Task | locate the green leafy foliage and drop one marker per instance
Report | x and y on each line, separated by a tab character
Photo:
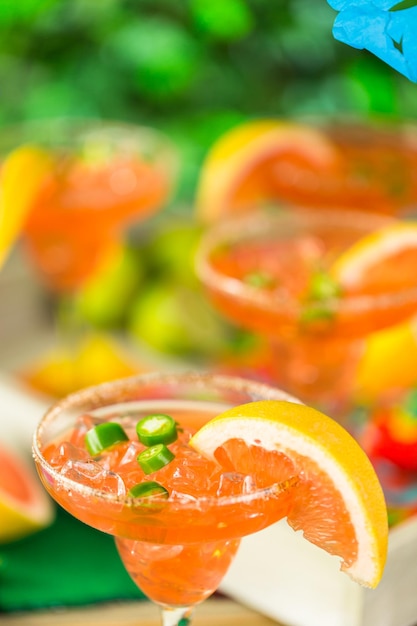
14	13
161	58
225	21
191	68
405	4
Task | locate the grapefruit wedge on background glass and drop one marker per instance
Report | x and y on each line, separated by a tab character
253	162
22	175
383	263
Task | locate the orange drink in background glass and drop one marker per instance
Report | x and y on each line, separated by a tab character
373	169
106	176
317	163
314	285
231	457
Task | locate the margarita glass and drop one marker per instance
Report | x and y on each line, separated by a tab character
105	176
312	163
372	169
177	550
270	272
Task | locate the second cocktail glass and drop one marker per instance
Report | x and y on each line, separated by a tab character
272	272
105	176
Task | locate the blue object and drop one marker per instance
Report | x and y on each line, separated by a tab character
386	28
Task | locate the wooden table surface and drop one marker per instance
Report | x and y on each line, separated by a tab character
214	611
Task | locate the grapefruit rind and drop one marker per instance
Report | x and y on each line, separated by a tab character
300	431
20	517
22	175
373	249
235	154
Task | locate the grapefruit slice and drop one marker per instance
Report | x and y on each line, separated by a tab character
382	261
243	167
24	505
338	502
22	175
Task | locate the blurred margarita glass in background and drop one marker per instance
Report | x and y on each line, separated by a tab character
72	191
103	176
339	163
315	285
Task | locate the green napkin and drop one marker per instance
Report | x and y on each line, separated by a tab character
66	564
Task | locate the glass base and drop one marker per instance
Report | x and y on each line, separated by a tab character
176	617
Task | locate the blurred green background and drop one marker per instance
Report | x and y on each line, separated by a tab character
192	67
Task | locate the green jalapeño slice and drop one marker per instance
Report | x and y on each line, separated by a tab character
157	428
104	436
322	294
154	458
148	489
261	280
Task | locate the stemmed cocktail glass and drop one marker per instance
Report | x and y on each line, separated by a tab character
104	179
105	176
177	549
343	162
373	168
271	272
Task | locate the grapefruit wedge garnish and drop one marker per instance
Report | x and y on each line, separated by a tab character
247	165
22	175
384	262
338	501
24	505
380	262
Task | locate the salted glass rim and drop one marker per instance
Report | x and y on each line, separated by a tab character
81	123
105	390
51	132
262	219
391	127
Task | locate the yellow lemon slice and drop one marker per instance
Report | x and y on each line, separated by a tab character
241	167
96	358
22	174
24	505
338	502
388	362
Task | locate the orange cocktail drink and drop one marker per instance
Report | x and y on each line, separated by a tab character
177	548
352	164
314	285
372	169
104	177
180	467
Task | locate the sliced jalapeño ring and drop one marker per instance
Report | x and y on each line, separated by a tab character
154	458
148	489
157	428
104	436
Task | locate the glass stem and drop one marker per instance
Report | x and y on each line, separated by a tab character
176	617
